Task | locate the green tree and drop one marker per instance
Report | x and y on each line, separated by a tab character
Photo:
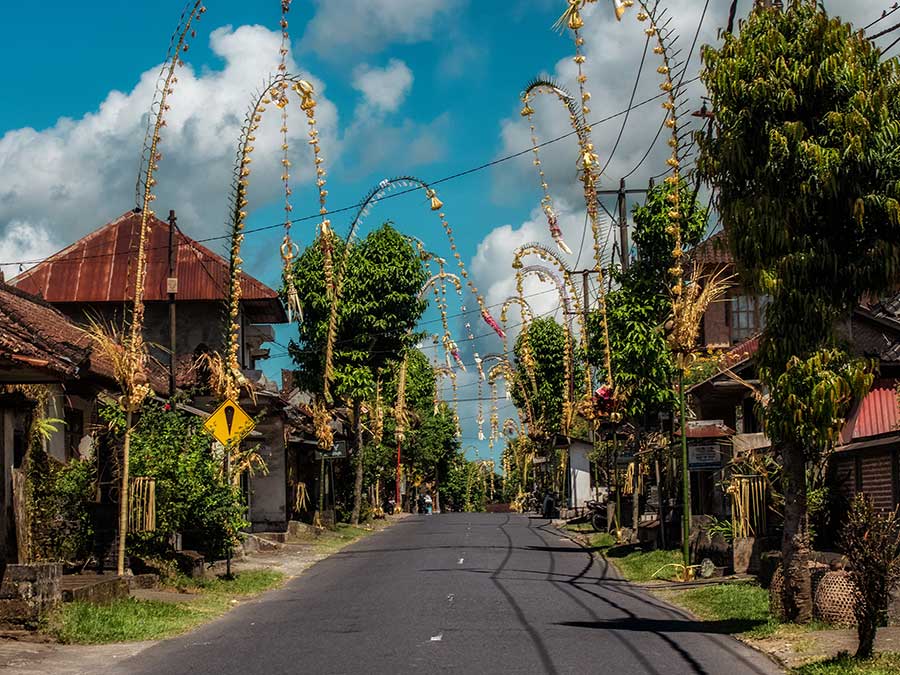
377	312
540	369
805	162
171	446
642	366
430	439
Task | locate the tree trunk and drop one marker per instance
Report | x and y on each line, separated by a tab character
865	631
797	591
437	492
357	486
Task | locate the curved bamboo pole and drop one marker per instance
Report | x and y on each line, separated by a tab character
372	198
275	90
133	379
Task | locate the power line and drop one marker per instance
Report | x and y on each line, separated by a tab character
317	216
681	82
884	14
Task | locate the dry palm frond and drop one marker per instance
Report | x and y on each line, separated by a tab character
246	459
322	424
226	383
128	365
689	307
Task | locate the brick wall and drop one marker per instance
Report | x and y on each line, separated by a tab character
871	473
716	333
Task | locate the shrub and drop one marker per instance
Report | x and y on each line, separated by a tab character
170	446
872	544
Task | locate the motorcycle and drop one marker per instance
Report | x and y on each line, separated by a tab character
597	514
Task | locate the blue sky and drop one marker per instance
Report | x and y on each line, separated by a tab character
425	87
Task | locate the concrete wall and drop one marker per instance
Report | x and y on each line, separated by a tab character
196	323
27	592
269	493
579	474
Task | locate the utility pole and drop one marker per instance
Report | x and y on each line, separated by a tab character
172	289
623	225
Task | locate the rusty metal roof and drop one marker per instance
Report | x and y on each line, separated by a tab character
876	415
100	268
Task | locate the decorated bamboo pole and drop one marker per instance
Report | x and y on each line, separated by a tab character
546	275
133	379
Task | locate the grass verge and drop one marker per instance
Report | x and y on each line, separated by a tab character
644	565
131	620
737	609
883	664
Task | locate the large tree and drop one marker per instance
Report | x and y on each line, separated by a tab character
805	161
377	313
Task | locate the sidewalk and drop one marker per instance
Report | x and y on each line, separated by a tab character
817	645
26	653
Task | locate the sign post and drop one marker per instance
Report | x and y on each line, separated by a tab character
229	424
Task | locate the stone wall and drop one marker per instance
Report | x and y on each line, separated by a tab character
28	592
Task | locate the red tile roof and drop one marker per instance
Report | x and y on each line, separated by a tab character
35	335
100	268
712	251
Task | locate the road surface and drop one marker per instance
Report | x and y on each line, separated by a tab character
462	593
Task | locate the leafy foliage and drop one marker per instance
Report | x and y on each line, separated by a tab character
61	527
805	163
811	399
872	545
543	357
378	310
171	446
641	362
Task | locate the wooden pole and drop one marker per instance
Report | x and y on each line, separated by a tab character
686	479
123	496
172	288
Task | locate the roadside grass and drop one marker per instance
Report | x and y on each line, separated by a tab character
131	620
882	664
331	541
643	565
737	608
579	527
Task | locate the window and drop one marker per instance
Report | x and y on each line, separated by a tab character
746	316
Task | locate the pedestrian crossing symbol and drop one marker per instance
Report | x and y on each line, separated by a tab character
229	423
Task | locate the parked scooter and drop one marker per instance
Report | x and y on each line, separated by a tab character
597	514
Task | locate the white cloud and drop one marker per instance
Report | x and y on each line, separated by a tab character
384	89
80	173
29	242
369	26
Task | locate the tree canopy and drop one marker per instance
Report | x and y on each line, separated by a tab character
806	166
637	310
377	312
540	353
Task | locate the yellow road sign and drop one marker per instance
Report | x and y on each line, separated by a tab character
229	423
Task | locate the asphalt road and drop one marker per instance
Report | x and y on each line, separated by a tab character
462	593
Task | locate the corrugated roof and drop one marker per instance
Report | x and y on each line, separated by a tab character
100	268
876	415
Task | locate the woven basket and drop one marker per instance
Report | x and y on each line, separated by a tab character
817	571
834	599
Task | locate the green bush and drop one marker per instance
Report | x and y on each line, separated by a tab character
59	494
170	446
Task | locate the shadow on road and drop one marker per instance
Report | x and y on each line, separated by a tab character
642	625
